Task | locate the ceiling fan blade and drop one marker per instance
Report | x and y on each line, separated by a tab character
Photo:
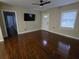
42	3
46	2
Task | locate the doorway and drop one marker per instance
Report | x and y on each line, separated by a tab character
45	21
10	23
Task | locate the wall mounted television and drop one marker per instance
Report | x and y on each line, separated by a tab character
29	17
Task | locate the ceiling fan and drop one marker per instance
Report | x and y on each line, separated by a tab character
42	3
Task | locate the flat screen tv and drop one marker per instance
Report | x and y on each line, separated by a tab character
29	17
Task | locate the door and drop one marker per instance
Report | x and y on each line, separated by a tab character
45	22
10	23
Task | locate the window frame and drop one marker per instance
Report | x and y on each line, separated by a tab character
66	12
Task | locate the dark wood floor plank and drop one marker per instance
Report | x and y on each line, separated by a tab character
39	45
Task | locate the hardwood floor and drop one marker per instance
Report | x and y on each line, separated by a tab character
39	45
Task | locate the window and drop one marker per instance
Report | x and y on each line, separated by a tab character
68	19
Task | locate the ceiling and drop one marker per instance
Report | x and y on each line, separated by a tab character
28	3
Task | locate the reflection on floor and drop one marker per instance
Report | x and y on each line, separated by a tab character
39	45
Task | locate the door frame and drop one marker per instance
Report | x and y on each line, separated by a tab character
16	20
43	14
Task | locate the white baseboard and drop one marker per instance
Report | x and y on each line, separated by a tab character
63	34
51	32
28	31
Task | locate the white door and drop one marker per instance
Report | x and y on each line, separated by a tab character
45	22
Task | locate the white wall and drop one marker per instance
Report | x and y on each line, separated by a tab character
23	26
54	20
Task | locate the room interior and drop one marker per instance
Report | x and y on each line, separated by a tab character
45	29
